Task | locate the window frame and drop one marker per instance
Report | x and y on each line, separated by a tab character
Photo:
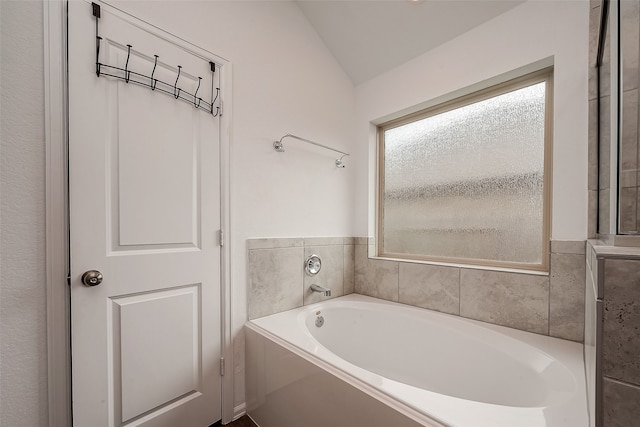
544	75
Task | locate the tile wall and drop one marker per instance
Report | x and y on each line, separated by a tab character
613	329
612	310
546	304
277	281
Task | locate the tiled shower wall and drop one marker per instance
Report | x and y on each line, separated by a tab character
613	325
546	304
612	332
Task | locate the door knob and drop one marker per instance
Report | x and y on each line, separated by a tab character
92	278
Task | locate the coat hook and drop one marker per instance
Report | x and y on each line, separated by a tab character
127	73
154	82
195	94
176	90
98	64
214	101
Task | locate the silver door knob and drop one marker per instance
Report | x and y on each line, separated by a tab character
92	278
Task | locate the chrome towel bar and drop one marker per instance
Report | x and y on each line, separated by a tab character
277	145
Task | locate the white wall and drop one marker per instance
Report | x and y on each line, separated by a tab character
23	340
284	81
536	30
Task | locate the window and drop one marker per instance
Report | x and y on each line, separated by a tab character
468	181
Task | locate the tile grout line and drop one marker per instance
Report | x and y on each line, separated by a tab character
621	382
549	298
459	291
344	268
398	283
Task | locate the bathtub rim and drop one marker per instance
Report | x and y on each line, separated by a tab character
350	379
526	355
566	354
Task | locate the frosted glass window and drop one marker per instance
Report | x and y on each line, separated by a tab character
467	183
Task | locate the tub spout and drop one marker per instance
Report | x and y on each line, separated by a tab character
324	291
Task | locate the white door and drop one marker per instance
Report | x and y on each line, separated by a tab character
144	193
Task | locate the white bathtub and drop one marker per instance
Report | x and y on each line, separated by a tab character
431	368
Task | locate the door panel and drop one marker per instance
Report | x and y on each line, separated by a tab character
151	343
144	189
155	175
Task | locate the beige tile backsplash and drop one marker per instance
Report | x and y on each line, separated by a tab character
515	300
551	305
349	268
275	276
278	282
430	286
566	296
376	278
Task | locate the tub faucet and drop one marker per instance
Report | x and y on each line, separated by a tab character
324	291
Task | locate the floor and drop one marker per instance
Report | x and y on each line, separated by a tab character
243	421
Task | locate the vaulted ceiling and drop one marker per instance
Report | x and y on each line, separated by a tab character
370	37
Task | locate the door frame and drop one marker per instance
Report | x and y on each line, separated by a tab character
57	212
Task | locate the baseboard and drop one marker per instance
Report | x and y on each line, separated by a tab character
239	410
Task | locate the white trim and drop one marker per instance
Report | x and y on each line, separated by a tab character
58	339
239	411
162	34
228	380
58	326
226	349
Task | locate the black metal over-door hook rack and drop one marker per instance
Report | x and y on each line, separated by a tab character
152	83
